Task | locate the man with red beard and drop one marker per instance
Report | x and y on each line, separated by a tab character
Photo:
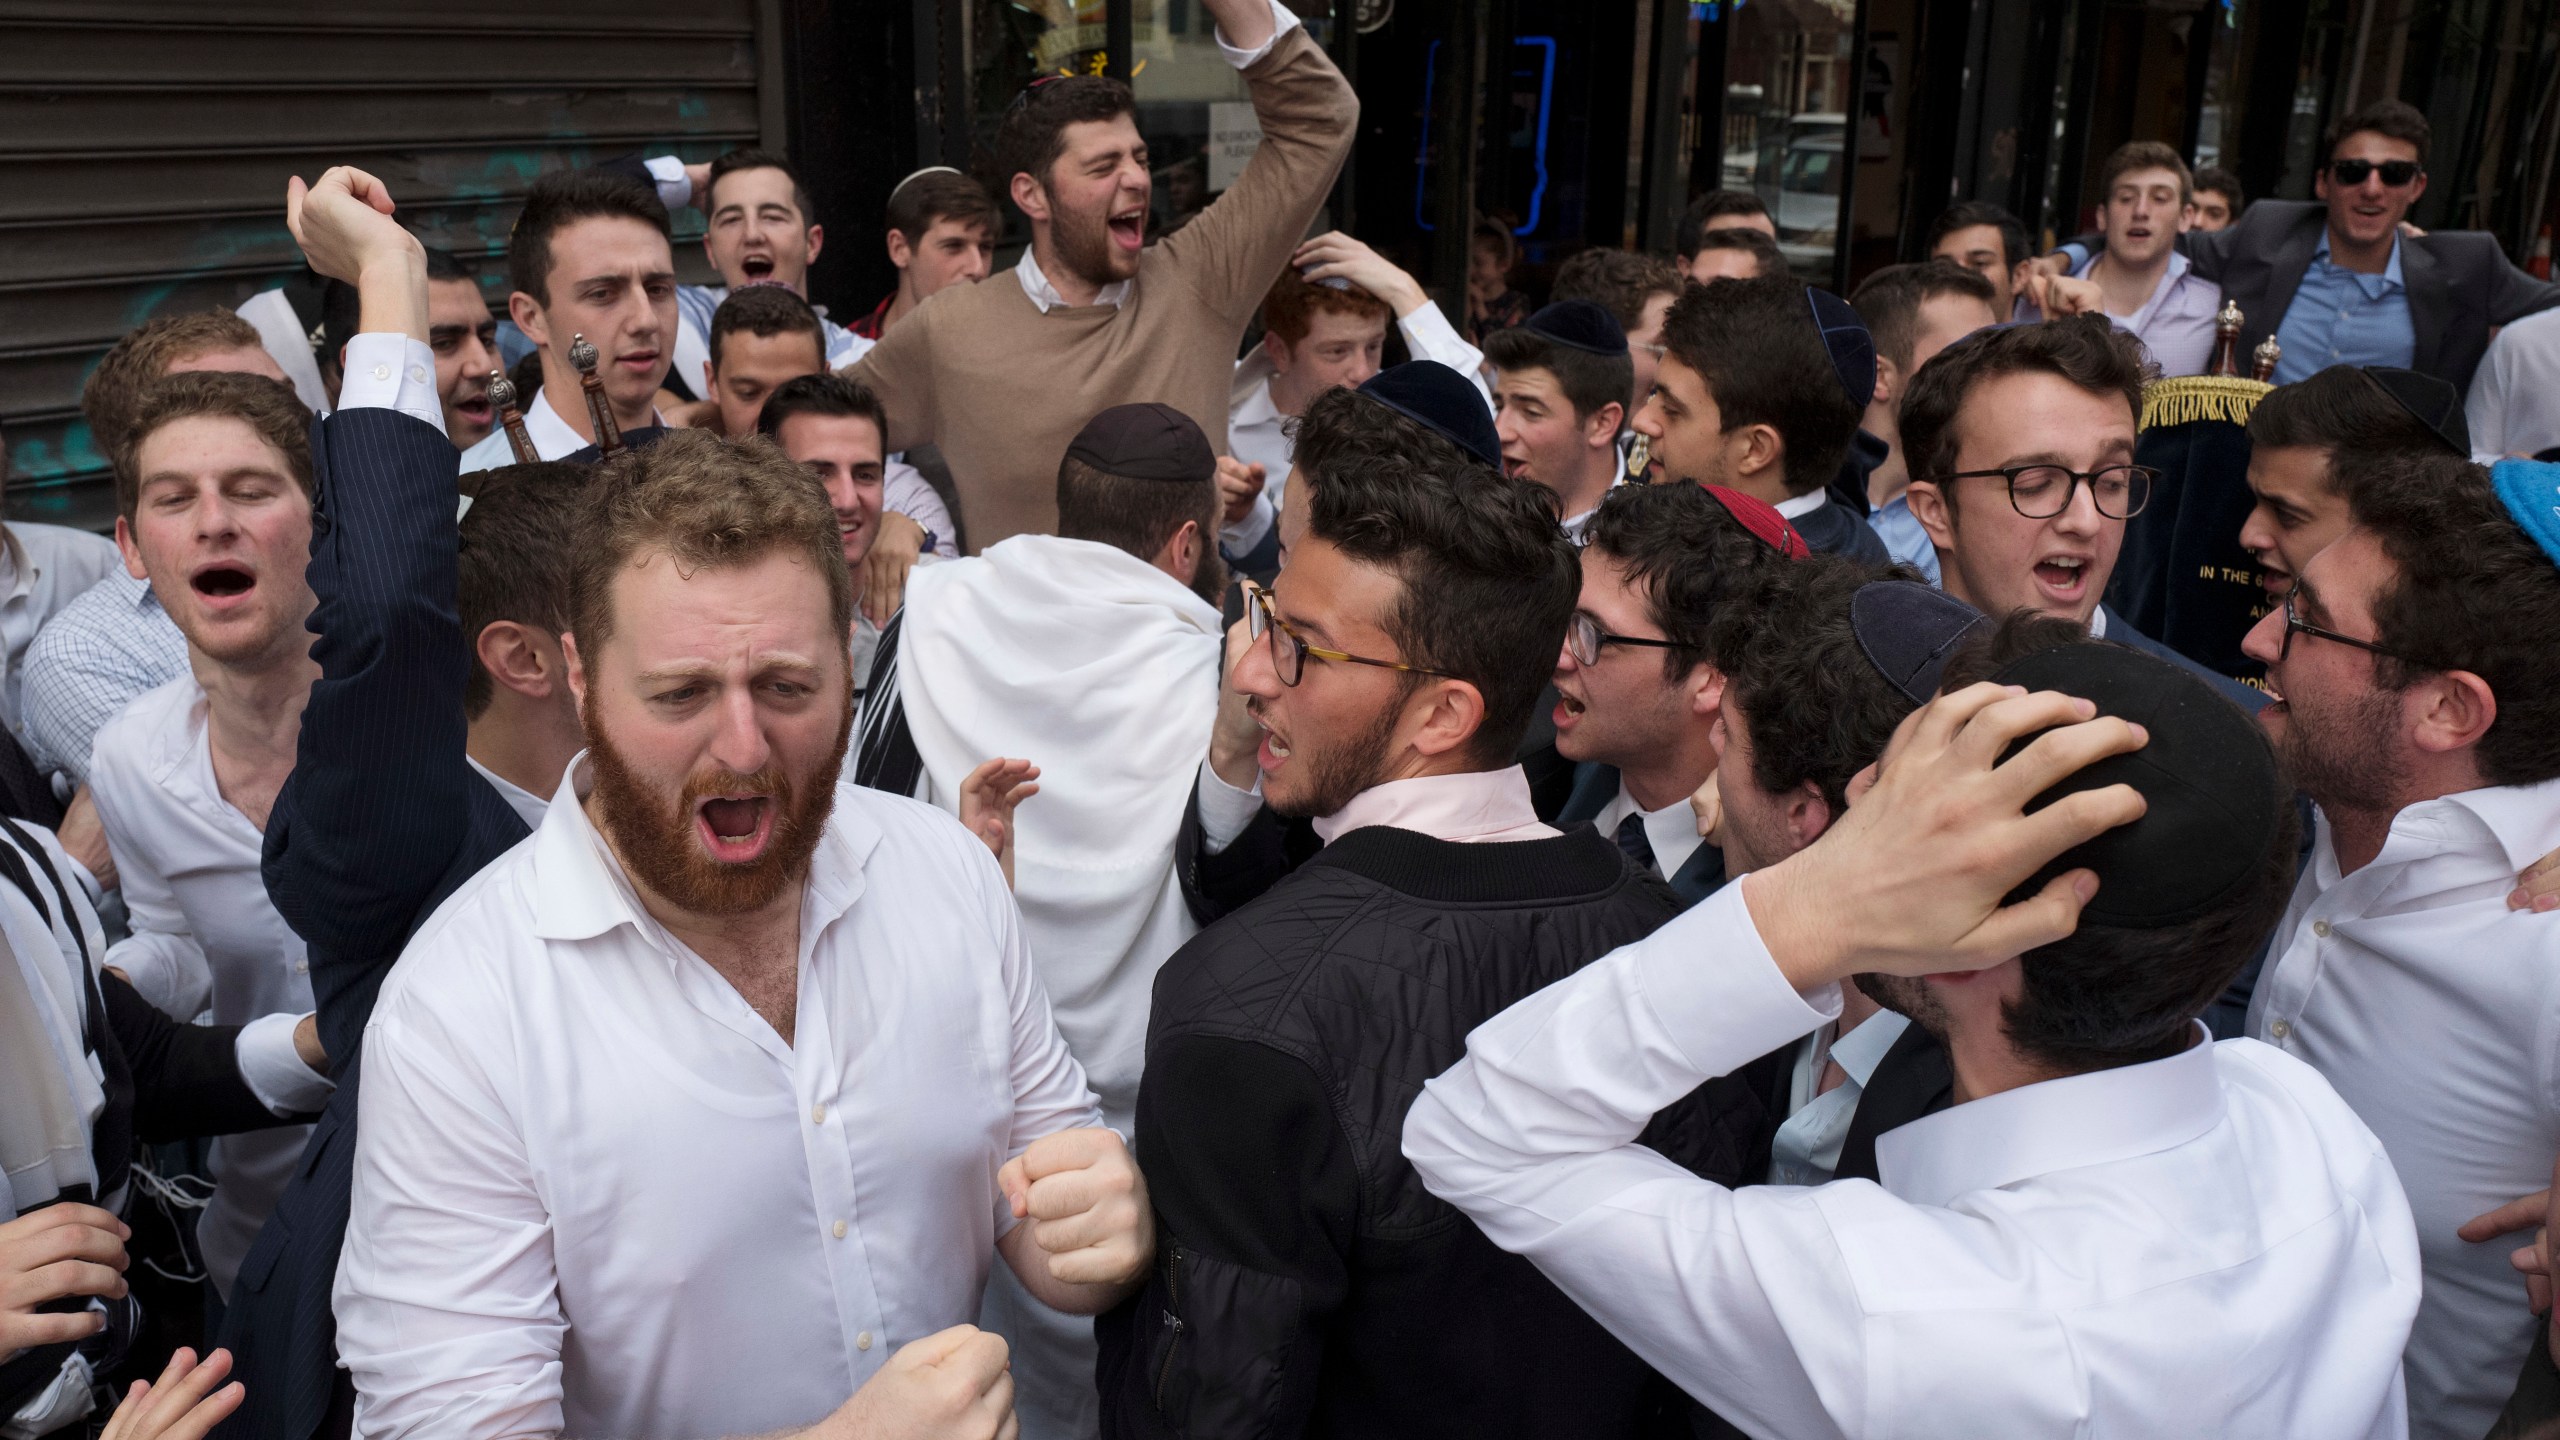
1002	374
727	1087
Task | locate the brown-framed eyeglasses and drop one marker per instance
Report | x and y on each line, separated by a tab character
1289	650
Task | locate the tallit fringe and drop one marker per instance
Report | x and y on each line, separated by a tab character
2186	399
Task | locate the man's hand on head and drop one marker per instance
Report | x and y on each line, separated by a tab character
343	224
1336	256
1910	880
955	1384
1092	1229
894	552
2069	295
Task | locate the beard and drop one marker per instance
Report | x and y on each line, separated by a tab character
1334	778
2341	753
1907	997
1084	247
653	831
1209	577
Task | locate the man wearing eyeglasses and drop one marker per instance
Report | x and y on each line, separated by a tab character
2337	280
2420	710
2020	443
1308	1284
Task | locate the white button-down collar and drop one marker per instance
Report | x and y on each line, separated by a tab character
559	1088
2435	1011
1469	807
1045	295
1796	507
1672	831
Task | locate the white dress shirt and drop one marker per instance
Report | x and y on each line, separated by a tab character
2510	409
528	806
551	436
2206	1245
2435	1010
1258	434
206	940
1672	831
596	1194
42	569
1806	1150
1471	807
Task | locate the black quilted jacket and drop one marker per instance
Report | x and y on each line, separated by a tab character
1306	1283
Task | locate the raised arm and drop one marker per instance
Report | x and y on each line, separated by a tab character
1231	252
378	798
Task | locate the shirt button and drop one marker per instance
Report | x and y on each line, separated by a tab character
2320	928
301	967
2280	1029
417	375
817	1114
839	1227
381	372
862	1341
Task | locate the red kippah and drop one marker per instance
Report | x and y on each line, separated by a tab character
1761	519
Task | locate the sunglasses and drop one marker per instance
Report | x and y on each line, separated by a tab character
2395	173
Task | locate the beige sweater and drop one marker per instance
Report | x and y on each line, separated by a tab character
1001	388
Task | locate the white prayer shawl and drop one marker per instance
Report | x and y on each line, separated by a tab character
1103	671
51	1089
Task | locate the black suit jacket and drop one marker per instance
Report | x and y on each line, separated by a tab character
382	818
2460	283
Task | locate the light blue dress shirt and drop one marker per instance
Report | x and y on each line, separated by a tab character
2345	317
1903	538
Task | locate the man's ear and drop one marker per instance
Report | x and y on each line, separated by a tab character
2454	710
1808	814
1706	691
1929	507
577	668
1888	381
1030	196
527	313
710	381
1278	350
508	651
1179	556
1601	430
1764	451
1451	711
901	254
817	240
131	551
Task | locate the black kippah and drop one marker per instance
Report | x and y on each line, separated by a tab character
1845	339
1145	442
2434	403
1907	630
2215	800
1581	325
1432	394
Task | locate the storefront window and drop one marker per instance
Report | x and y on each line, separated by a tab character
1788	91
1200	128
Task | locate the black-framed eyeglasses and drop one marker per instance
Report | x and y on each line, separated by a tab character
1289	651
1584	640
2041	492
2395	173
2294	624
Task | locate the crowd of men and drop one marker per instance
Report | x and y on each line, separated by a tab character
1083	856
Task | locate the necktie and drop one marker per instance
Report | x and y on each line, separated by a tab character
1631	839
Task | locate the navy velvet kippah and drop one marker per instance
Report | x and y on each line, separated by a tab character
1580	324
1145	442
2437	405
1908	630
1845	338
2208	776
1432	394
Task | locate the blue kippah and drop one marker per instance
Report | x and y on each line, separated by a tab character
1432	394
1907	630
1581	325
1845	338
2530	489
